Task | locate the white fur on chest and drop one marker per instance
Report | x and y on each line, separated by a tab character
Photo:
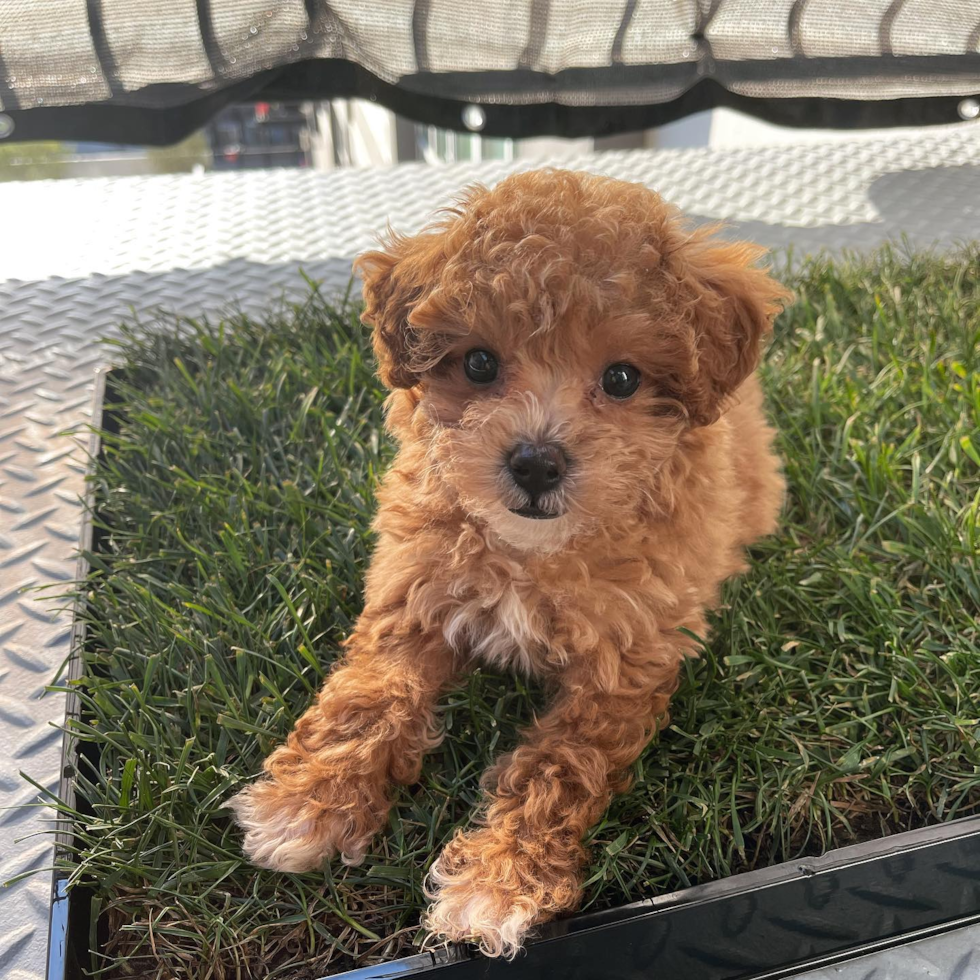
504	631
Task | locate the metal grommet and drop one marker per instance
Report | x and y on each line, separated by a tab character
6	125
474	118
968	109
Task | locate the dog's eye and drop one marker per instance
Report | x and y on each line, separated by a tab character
620	380
480	366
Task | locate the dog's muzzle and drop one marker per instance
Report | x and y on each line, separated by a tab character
538	470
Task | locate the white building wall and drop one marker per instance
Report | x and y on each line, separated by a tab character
353	133
541	147
372	134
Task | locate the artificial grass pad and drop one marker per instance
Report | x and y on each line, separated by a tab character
837	699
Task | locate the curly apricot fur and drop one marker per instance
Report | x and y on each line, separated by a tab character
559	274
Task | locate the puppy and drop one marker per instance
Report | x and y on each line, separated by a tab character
583	459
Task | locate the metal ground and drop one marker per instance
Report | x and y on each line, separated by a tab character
77	256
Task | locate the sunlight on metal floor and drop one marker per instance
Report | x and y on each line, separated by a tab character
951	956
87	252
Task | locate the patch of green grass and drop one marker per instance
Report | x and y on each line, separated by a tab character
836	701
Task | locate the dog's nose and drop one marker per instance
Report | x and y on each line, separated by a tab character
537	469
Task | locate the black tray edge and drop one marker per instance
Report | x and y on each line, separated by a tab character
69	919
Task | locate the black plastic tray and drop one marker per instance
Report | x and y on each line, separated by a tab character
71	928
764	924
757	926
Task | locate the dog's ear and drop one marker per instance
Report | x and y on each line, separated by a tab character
413	325
733	306
388	300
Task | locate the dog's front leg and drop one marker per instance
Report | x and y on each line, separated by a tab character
326	791
523	866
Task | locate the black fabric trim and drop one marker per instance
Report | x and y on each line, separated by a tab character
212	49
100	43
888	19
322	79
702	21
870	68
536	33
110	122
9	98
420	33
616	53
313	11
474	85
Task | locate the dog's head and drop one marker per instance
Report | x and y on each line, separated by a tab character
552	338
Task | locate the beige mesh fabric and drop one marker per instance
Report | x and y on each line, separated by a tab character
158	54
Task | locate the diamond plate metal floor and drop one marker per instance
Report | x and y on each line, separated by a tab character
85	252
951	956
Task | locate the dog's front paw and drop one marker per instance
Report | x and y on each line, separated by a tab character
292	831
488	890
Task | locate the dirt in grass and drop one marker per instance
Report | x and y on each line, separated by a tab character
836	700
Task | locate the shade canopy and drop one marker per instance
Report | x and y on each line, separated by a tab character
151	71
